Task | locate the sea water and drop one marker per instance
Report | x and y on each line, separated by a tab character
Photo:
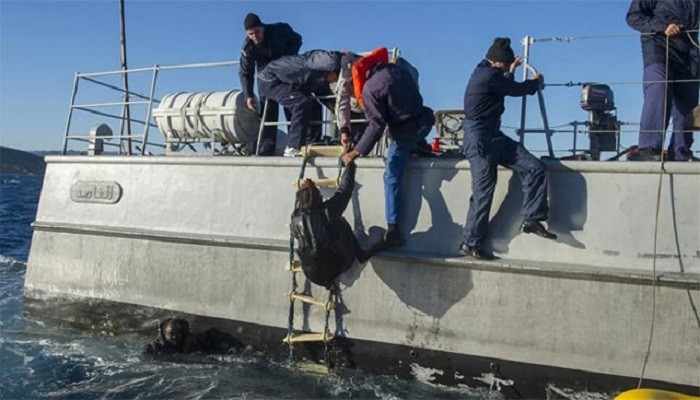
42	359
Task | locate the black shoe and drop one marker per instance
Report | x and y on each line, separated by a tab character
392	238
364	255
474	252
538	229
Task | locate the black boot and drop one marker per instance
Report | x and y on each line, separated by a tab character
364	255
392	237
475	252
538	229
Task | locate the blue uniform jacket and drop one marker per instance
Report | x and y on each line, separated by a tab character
654	16
279	40
303	71
391	98
484	99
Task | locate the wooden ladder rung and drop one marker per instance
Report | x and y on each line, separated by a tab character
293	266
321	182
297	337
322	151
326	304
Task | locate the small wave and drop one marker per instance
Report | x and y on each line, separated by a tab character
11	262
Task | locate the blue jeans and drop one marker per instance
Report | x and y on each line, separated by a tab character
500	150
396	159
680	97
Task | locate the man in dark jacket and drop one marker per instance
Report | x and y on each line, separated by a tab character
264	43
327	244
346	106
392	100
291	81
486	147
660	21
174	337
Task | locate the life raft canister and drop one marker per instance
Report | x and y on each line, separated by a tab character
361	68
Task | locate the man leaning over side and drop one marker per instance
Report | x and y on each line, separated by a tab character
391	99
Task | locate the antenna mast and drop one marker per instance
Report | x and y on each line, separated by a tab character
126	115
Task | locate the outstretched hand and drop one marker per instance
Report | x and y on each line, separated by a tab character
515	64
346	142
540	78
349	157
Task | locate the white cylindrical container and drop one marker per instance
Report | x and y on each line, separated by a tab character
222	116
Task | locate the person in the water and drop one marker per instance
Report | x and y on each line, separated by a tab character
174	336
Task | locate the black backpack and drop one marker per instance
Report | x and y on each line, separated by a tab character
311	230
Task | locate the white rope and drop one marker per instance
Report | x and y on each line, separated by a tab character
691	39
656	228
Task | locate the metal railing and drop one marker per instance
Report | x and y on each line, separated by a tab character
147	100
528	41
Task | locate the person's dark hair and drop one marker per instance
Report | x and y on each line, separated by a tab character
308	195
251	21
178	326
500	51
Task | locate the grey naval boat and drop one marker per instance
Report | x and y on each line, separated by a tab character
124	237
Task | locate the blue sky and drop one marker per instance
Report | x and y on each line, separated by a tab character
43	43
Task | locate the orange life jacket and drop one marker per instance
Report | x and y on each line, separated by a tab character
361	68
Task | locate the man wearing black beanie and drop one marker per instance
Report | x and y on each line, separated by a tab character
486	147
264	43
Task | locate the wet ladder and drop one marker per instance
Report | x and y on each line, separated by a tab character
294	266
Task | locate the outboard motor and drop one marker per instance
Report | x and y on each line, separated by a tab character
604	128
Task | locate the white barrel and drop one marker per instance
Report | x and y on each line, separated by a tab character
221	115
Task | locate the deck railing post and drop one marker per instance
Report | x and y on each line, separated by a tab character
70	112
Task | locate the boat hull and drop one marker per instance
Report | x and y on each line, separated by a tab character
205	237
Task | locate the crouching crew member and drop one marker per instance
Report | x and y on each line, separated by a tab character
486	147
174	337
264	43
390	98
291	81
327	246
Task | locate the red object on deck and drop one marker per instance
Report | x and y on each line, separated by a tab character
436	145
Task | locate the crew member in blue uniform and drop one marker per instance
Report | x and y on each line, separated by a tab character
486	147
391	99
677	22
291	81
264	43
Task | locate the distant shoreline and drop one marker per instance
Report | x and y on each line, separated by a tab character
20	162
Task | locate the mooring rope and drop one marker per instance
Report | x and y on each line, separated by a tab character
656	226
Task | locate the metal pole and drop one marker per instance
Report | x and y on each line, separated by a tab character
148	112
70	113
125	77
523	107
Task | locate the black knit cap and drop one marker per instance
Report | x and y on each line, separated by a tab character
251	21
500	51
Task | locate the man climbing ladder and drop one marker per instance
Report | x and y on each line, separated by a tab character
326	244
